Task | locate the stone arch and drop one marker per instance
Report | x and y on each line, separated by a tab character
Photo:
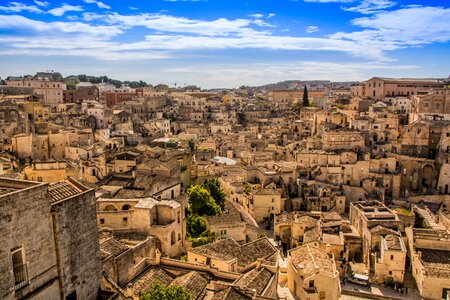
110	207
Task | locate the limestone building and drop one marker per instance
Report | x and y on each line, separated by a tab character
312	274
49	241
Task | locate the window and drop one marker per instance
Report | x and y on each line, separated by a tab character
392	257
172	238
102	221
19	268
72	296
311	283
125	221
390	272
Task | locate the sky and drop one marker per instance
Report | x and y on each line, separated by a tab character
227	43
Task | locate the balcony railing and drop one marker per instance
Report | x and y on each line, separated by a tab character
20	276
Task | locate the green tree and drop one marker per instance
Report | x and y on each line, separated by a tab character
195	225
214	188
201	202
160	292
191	144
305	97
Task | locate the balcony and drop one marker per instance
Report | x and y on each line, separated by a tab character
20	276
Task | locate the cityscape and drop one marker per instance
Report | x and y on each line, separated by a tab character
183	149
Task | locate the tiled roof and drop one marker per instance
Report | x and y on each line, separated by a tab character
151	277
393	242
4	191
251	252
224	250
229	249
231	293
312	235
312	260
256	279
111	246
233	214
436	262
62	190
266	192
193	282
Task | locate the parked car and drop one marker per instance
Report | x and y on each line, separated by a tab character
359	279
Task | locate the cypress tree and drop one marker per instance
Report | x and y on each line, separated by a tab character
305	97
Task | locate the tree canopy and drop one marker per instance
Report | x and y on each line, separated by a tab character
201	202
214	188
160	292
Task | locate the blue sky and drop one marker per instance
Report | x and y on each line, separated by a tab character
215	43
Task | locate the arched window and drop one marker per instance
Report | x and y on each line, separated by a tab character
110	207
126	207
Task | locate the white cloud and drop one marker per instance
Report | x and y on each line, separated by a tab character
99	4
312	29
60	11
169	35
257	16
371	6
18	7
133	8
401	28
41	3
167	23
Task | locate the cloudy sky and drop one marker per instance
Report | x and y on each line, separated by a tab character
226	43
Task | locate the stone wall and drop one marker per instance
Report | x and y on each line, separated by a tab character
76	232
25	222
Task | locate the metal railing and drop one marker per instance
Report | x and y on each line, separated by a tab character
20	276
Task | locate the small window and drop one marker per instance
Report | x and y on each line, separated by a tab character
19	268
125	221
102	221
392	257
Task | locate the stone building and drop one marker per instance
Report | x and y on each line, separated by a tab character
430	266
50	241
51	91
379	88
312	274
228	255
163	219
372	219
265	203
234	222
390	261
